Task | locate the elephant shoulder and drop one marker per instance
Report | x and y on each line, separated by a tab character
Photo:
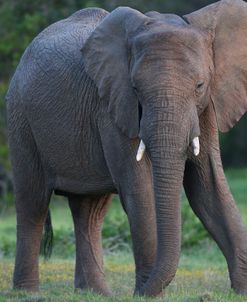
56	49
88	19
89	15
79	24
62	39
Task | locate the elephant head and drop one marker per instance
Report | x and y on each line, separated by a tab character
156	74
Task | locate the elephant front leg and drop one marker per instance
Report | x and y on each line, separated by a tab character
211	200
139	209
88	214
134	183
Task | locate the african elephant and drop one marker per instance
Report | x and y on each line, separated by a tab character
88	90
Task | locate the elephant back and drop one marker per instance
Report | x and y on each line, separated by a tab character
56	49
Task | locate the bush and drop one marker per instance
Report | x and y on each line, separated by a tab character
116	231
7	245
64	243
193	232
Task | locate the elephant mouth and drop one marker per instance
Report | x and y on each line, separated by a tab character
195	144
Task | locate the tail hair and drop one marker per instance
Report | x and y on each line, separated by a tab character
47	239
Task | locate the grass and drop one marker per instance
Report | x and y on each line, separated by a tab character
202	275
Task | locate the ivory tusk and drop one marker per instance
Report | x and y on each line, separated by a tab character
140	151
196	146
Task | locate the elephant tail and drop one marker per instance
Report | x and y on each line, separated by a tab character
47	239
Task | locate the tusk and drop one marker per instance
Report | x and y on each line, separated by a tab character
196	146
140	151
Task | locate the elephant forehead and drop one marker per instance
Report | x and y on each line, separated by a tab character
177	48
171	37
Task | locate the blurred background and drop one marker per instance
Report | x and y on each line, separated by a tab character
20	22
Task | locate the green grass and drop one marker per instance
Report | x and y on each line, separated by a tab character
202	275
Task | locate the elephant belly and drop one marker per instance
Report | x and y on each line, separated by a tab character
80	172
74	161
84	186
77	176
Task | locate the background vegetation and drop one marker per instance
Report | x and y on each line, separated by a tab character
20	22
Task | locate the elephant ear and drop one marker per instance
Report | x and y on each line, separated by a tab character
106	57
226	22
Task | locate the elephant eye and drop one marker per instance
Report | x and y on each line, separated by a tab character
199	85
135	89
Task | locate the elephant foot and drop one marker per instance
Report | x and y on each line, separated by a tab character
103	291
240	286
139	293
97	286
240	289
238	274
151	291
27	286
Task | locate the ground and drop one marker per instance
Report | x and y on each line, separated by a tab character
202	275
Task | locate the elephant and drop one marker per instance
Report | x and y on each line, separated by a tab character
105	103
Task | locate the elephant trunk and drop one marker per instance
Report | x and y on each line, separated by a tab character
167	178
167	151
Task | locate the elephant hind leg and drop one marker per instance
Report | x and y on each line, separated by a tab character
88	214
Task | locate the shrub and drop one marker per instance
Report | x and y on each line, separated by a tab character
193	232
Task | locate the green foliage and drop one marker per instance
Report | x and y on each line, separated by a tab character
64	243
6	201
193	231
234	145
116	232
7	246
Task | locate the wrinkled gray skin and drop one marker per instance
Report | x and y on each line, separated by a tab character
75	120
